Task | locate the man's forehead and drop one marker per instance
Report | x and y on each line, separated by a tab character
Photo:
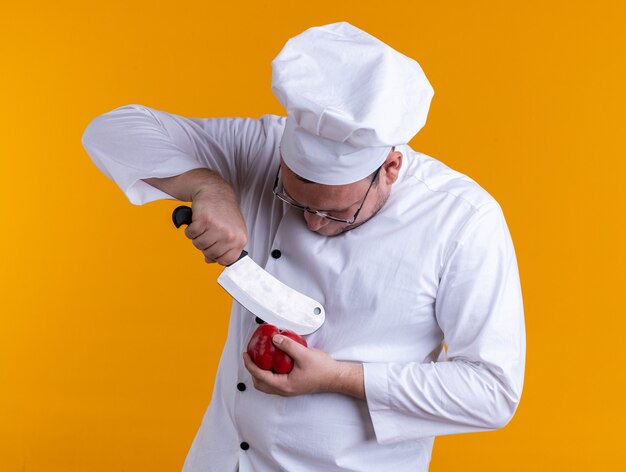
286	169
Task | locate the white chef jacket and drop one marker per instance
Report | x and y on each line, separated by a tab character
435	264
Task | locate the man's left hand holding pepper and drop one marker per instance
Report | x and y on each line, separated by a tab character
314	371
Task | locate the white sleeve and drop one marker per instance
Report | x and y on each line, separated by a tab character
479	309
135	142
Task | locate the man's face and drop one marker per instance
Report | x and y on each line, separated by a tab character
341	201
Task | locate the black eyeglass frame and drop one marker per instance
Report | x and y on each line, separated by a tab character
287	199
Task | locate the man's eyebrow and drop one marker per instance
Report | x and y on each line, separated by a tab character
324	211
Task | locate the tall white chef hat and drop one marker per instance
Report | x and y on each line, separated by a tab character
349	99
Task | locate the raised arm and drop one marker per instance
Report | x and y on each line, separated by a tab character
151	154
134	142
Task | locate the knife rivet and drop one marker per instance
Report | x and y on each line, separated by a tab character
317	310
276	253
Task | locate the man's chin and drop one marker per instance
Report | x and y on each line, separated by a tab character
325	231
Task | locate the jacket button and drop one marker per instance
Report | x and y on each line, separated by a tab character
276	253
245	446
241	386
259	320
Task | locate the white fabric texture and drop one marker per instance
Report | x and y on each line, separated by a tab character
435	264
349	98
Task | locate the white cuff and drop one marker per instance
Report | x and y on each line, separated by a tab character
378	399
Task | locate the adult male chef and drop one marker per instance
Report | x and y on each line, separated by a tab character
403	252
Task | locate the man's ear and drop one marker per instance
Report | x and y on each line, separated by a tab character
391	167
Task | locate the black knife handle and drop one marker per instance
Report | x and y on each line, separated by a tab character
182	216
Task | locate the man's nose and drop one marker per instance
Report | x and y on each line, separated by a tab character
315	222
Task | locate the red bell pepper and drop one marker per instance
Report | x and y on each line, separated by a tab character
265	355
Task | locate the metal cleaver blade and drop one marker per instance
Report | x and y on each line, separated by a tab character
262	294
270	299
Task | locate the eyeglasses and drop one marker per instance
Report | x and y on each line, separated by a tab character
282	195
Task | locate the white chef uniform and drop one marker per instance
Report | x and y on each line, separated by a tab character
436	263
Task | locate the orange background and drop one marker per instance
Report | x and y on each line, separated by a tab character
111	324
